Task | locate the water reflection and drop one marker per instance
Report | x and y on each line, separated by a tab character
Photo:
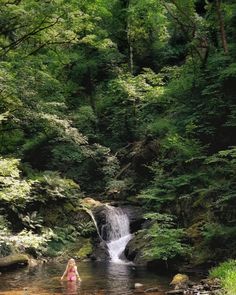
119	278
70	288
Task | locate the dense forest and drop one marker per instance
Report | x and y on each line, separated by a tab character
130	101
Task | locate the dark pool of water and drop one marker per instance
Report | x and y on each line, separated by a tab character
97	278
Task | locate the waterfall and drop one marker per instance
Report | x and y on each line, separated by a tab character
116	232
94	222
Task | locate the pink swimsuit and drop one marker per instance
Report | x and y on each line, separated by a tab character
71	275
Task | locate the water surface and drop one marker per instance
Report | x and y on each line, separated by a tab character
97	279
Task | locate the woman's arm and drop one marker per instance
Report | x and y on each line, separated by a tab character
77	274
65	273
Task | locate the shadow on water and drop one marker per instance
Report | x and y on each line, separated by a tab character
97	279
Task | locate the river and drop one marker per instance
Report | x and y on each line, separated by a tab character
97	278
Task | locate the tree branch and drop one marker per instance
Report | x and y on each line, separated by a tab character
32	33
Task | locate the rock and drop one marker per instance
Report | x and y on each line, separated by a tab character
135	215
100	213
81	249
205	287
213	283
13	259
86	250
91	203
100	251
135	251
33	262
179	279
138	285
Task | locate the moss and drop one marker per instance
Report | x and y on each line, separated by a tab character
54	248
86	249
179	279
81	248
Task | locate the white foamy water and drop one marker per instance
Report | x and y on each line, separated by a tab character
117	233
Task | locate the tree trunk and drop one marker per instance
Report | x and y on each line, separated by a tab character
130	42
131	58
131	54
222	26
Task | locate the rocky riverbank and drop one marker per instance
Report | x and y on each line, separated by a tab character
182	285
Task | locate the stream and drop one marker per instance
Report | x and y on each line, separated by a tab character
97	278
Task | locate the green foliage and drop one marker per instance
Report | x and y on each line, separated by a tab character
221	270
64	235
5	248
86	121
86	228
221	239
85	250
14	190
227	274
25	241
164	240
32	221
51	187
18	192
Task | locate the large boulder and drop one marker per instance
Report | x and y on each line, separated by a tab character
135	249
135	215
14	259
100	251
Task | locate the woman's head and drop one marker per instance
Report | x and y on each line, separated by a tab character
71	262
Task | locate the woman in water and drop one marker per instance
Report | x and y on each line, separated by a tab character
71	272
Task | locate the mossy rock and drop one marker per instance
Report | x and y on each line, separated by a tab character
86	250
13	259
90	203
179	279
81	249
135	249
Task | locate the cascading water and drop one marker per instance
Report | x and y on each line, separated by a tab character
116	233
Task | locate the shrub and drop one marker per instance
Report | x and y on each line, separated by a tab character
165	240
226	272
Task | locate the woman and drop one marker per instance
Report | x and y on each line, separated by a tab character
71	272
